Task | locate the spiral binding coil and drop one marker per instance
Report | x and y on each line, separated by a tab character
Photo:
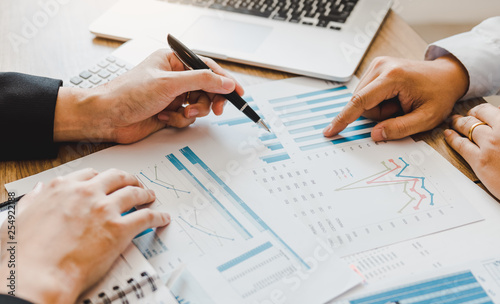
133	288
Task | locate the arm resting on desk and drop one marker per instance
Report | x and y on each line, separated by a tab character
27	105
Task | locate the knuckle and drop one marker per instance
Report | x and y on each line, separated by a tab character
380	61
134	192
459	144
357	101
84	191
466	121
395	72
56	182
119	174
149	215
92	171
206	75
116	226
341	118
402	128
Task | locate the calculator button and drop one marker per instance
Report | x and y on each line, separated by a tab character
95	80
103	64
85	74
111	59
113	68
104	74
85	85
120	63
76	80
121	72
95	69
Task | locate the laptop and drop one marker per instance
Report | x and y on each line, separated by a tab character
318	38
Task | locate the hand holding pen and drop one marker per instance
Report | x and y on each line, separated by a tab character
193	62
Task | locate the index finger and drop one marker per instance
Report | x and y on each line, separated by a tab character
486	112
365	99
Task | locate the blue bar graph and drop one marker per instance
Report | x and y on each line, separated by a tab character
234	121
242	258
309	119
308	138
274	147
267	136
215	202
335	141
275	158
311	102
452	289
238	202
322	126
315	93
313	110
346	130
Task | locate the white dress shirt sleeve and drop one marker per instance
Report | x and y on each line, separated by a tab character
479	52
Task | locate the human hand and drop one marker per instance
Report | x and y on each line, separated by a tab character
142	101
70	231
424	91
483	152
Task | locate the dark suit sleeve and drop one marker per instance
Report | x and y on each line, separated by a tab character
27	107
5	299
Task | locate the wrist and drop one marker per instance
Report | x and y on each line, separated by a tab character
457	72
79	116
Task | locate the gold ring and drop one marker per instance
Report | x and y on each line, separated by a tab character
186	100
472	129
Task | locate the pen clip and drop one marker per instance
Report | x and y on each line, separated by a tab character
180	59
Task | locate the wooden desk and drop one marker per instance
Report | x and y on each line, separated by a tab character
60	46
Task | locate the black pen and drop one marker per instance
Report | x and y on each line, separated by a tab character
11	202
193	62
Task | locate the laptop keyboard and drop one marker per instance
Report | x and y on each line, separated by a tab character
104	71
321	13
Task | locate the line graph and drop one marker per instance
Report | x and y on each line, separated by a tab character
163	183
412	186
201	228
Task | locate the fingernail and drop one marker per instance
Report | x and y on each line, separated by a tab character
384	135
227	83
163	117
328	129
447	132
193	112
167	216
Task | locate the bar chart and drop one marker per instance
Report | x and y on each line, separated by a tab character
455	288
306	115
274	151
252	265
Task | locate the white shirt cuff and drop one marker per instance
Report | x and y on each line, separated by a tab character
479	52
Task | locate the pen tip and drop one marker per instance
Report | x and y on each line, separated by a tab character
263	124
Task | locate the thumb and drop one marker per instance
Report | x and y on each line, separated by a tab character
400	127
205	80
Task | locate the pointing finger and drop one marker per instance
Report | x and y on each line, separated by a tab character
368	97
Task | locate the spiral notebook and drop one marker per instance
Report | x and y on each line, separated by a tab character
131	279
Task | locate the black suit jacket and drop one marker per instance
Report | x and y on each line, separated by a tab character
27	107
5	299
